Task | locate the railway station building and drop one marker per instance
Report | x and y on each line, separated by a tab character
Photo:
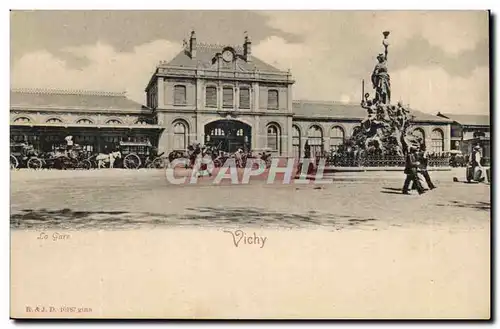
214	94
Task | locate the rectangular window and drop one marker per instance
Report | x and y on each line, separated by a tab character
244	98
272	100
271	143
296	146
180	95
272	138
228	97
437	145
456	132
211	96
179	142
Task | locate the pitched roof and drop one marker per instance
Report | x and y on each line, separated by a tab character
206	52
468	119
72	99
347	111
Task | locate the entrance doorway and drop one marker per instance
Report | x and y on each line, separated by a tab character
229	135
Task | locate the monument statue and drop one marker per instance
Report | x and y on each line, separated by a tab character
385	130
380	77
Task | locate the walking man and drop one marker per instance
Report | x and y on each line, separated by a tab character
475	169
423	158
411	171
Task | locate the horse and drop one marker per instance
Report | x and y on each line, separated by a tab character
110	158
192	153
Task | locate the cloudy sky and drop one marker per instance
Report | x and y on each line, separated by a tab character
438	61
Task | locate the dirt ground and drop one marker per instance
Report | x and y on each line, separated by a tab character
137	247
118	199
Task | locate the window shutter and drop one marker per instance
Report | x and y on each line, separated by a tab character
272	99
245	98
179	95
211	96
227	96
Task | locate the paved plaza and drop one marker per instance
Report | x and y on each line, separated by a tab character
120	199
356	241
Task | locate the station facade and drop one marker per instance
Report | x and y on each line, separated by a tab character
214	94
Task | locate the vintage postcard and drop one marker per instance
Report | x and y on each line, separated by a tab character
250	164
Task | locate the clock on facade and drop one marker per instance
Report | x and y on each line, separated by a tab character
227	55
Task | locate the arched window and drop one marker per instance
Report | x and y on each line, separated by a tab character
84	122
113	122
272	99
22	120
181	131
211	96
437	141
228	97
337	136
244	98
54	120
179	95
273	137
296	141
315	140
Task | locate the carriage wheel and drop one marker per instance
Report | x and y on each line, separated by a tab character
14	163
158	163
35	163
85	164
131	161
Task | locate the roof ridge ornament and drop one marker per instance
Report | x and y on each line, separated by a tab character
214	46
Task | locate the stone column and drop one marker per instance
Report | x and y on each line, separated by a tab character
256	134
163	139
236	101
161	93
290	98
199	95
447	137
200	136
255	97
219	96
289	137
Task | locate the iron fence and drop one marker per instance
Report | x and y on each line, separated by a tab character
375	160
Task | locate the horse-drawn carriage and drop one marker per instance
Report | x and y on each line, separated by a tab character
218	157
23	155
62	158
140	154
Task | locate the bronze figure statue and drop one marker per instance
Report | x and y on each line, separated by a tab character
380	77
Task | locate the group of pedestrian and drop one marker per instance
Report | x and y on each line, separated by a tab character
416	164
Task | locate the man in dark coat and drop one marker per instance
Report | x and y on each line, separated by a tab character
422	157
411	166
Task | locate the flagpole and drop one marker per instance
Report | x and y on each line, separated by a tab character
362	90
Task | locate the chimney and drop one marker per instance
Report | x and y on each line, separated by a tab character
247	48
192	44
